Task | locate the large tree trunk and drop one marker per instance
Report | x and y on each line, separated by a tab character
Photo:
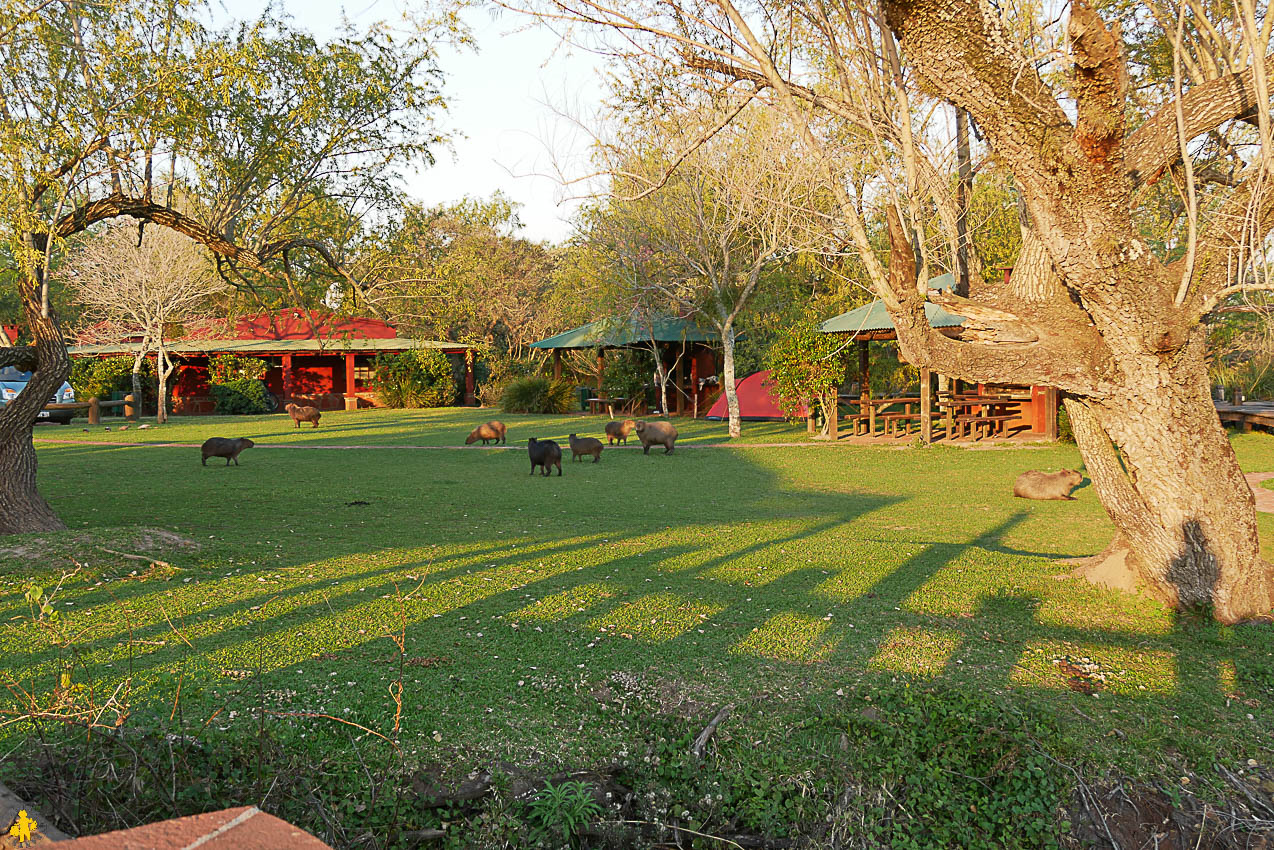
727	380
22	508
1165	471
164	368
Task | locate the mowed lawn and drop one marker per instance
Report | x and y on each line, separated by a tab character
786	580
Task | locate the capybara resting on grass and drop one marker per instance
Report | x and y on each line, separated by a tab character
303	414
655	434
487	431
585	446
617	431
1047	485
544	453
224	447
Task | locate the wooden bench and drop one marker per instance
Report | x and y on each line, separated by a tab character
894	420
982	426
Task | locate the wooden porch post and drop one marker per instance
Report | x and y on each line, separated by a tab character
469	398
287	378
1050	413
681	385
926	407
601	367
351	397
864	385
557	364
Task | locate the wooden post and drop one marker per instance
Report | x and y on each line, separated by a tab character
130	408
469	398
351	396
680	379
864	388
694	386
557	364
926	407
94	411
601	367
287	378
1050	413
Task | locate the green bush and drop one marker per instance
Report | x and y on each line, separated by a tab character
628	374
224	368
240	396
93	377
1064	432
494	371
807	368
537	395
419	378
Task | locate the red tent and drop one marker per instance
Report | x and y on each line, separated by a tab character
755	401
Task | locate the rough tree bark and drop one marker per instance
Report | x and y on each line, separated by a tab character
729	386
22	508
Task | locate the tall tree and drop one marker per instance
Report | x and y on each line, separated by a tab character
1090	308
133	108
142	289
461	271
696	235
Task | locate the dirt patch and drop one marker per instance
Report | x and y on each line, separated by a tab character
1137	816
97	547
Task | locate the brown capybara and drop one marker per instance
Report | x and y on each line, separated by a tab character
487	431
303	414
585	446
655	434
224	447
544	453
617	431
1053	486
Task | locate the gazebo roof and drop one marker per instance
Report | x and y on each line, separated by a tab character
617	333
874	317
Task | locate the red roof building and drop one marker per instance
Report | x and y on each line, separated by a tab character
314	358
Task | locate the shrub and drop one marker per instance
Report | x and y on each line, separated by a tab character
537	395
561	811
494	371
1064	432
92	377
241	396
807	367
224	368
418	378
628	374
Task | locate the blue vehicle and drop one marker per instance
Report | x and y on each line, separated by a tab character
14	381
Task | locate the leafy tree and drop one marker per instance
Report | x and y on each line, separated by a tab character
807	368
1096	124
236	140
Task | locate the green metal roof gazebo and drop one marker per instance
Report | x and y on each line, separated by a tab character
617	333
873	321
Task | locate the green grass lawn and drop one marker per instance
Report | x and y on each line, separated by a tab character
572	622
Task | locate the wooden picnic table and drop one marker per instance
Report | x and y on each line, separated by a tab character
595	405
982	416
877	408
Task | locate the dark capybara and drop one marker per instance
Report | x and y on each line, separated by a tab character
655	434
544	453
492	430
303	414
585	446
617	431
1053	486
224	447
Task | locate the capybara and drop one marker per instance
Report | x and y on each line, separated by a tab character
544	453
224	447
617	431
1053	486
655	434
585	446
303	414
487	431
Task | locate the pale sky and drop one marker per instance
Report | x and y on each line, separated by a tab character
507	101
